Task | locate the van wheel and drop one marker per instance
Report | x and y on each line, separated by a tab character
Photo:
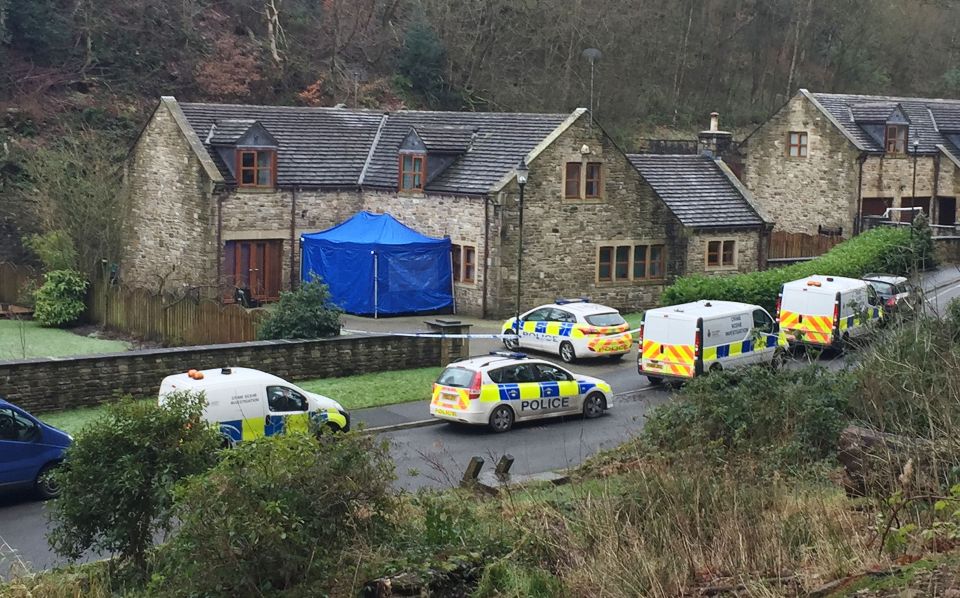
594	405
655	380
567	354
46	486
778	361
715	369
501	420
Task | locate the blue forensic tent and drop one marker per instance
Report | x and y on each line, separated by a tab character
373	264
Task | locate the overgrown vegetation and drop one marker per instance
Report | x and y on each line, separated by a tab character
894	250
305	312
118	488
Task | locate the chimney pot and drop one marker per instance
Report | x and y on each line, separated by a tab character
714	121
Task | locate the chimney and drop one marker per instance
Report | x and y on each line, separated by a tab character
713	142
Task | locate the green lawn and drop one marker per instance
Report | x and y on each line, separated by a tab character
353	392
22	339
634	319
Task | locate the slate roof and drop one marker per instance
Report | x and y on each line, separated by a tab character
445	139
697	190
227	131
876	112
920	111
332	147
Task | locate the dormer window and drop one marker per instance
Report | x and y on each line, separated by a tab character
895	141
256	168
413	172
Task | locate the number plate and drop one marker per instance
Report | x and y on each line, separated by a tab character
444	412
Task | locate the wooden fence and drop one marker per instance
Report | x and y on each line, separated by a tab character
170	320
12	280
785	245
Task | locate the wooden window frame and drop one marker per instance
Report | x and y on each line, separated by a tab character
267	253
582	168
721	263
802	144
615	246
566	180
464	257
422	172
894	141
598	180
256	168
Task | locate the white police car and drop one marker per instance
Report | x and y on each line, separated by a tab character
571	329
500	388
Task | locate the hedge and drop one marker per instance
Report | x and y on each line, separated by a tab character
878	250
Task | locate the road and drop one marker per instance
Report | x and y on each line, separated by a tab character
436	456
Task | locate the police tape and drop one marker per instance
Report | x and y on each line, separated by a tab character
442	335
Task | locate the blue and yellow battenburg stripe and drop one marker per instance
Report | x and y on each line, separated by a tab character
852	321
449	397
565	329
256	427
739	348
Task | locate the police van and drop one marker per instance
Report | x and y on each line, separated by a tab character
572	329
683	341
501	388
825	311
246	403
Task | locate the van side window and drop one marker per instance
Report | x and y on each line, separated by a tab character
762	321
281	398
15	427
872	297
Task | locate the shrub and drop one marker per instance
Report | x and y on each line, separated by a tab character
784	418
277	512
59	301
303	313
118	489
878	250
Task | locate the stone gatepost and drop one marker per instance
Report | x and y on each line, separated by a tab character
451	349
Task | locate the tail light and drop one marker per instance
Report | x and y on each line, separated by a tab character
640	339
474	392
779	300
836	312
892	302
696	345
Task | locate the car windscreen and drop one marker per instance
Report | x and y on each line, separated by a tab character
456	377
884	289
609	319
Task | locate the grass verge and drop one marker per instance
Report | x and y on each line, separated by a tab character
353	392
23	339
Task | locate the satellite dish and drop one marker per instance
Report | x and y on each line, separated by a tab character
592	54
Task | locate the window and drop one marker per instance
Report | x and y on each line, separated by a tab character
464	264
722	254
551	373
413	172
537	315
797	144
17	428
254	265
619	263
762	321
256	167
583	180
281	398
593	187
896	139
559	315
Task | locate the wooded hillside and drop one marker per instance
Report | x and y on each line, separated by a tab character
101	64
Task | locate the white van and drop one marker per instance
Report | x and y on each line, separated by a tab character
825	311
683	341
248	403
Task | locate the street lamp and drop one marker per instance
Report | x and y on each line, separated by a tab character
916	146
522	172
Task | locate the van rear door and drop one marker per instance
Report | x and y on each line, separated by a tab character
808	314
669	345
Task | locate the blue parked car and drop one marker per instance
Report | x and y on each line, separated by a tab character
29	450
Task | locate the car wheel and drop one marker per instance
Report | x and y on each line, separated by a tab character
501	420
567	354
593	405
655	380
512	344
46	486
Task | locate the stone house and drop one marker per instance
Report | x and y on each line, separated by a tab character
222	193
826	162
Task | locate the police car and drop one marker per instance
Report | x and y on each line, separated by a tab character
500	388
571	329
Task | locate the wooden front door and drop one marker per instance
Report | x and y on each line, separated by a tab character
254	265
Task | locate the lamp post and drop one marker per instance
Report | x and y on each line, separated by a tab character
522	172
916	146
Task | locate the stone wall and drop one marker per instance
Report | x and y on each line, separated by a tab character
41	385
172	230
892	178
801	194
561	237
748	246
